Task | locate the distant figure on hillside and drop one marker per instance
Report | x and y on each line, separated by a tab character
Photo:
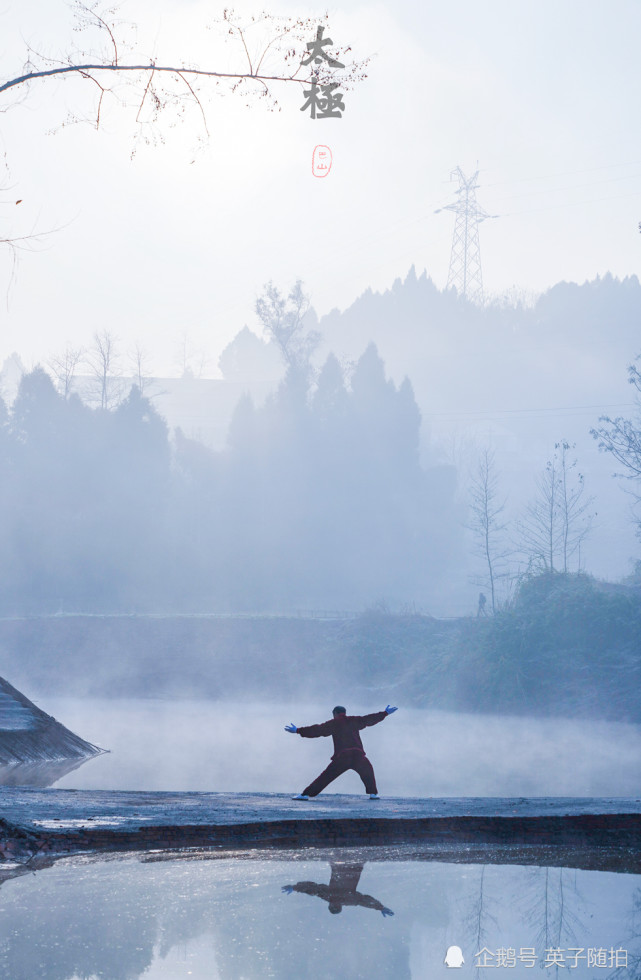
342	890
482	611
348	749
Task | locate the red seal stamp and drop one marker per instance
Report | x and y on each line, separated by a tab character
321	161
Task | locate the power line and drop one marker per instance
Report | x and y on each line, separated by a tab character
500	414
572	204
570	187
564	173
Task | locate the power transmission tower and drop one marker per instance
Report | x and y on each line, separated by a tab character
465	260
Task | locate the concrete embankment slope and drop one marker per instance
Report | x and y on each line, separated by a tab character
598	833
29	738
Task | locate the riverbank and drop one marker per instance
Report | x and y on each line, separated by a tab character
594	834
566	647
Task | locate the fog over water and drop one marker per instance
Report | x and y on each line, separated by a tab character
242	747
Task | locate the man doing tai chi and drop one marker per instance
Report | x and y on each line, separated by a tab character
348	749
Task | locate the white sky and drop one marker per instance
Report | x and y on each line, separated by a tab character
544	95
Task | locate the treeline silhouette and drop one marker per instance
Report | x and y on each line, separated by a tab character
572	340
319	501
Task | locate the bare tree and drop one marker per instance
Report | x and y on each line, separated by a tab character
556	521
64	367
140	359
102	359
283	321
191	360
546	903
576	520
486	522
478	916
202	361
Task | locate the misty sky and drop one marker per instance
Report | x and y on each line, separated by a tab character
182	237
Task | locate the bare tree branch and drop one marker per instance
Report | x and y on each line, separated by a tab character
288	46
622	437
295	32
171	69
197	101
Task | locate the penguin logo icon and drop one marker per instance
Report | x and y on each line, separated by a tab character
454	957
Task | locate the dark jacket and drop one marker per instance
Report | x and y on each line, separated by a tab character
344	730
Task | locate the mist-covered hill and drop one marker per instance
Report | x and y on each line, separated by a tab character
517	375
568	347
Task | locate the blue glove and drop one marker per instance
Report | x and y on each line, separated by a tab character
386	912
292	727
390	710
288	889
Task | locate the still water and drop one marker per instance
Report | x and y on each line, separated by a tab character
242	747
316	915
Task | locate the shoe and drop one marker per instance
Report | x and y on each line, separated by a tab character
374	796
301	796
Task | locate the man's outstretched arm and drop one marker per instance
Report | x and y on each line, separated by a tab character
366	721
316	731
310	731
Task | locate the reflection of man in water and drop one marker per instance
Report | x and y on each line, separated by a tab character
348	748
341	890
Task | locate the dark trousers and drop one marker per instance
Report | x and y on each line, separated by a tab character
349	759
